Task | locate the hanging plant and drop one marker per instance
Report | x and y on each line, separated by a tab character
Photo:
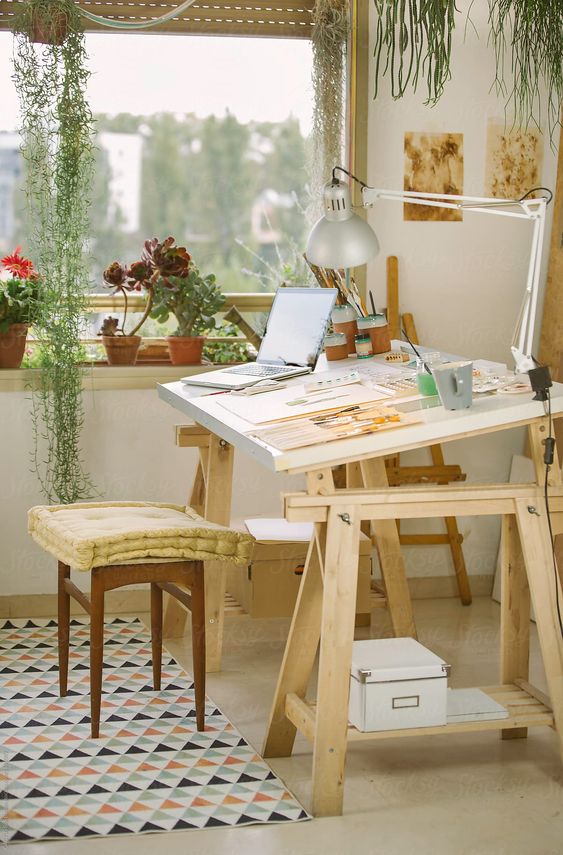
56	131
534	31
330	34
413	38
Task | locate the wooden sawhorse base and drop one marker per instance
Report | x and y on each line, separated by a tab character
211	497
324	614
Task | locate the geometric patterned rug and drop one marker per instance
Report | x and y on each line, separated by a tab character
150	771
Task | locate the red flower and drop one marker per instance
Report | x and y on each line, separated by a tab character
17	265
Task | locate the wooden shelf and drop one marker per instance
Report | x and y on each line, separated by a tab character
527	707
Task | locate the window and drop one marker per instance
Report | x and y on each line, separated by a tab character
204	138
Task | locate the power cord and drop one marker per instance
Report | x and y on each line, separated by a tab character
548	457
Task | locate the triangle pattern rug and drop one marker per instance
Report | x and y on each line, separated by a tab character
151	770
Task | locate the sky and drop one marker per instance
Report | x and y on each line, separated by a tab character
263	79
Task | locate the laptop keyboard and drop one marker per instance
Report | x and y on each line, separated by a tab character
256	370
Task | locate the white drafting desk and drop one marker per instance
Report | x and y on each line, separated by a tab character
325	609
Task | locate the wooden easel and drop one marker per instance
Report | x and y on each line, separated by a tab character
435	473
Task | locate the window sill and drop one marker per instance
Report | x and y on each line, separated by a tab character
107	378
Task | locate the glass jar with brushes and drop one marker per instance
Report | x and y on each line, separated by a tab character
425	382
378	330
344	321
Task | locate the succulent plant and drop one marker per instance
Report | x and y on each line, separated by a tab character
159	261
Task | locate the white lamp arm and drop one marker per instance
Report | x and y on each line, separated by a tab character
526	209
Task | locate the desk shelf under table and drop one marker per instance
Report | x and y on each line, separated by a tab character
526	705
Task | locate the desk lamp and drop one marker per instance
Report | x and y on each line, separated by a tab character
342	239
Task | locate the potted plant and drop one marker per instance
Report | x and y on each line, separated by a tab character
160	260
19	299
194	300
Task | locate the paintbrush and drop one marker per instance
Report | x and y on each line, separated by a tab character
416	351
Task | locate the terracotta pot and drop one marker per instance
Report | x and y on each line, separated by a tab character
185	350
122	349
48	30
12	345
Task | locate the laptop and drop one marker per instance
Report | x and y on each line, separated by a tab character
292	341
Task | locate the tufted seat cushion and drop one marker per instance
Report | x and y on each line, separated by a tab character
88	535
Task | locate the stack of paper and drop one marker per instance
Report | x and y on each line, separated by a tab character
473	705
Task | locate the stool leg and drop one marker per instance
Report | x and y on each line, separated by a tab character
96	650
63	627
156	634
198	642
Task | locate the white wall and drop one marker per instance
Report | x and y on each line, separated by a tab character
463	281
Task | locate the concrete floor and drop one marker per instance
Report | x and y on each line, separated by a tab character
470	794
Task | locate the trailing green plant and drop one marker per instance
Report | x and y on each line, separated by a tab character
532	32
57	133
413	38
330	34
194	300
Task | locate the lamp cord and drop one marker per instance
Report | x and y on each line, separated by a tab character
535	190
349	174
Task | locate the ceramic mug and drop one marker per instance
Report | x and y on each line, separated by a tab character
455	384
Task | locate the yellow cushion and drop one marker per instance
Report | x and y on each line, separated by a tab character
99	534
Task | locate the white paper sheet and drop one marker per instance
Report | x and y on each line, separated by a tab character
279	530
473	705
277	406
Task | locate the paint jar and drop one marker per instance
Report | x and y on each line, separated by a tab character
425	382
344	321
378	329
336	346
362	343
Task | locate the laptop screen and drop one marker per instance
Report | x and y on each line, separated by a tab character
296	326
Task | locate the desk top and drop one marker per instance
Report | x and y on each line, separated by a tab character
489	413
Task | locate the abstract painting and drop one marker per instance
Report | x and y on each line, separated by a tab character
433	164
514	161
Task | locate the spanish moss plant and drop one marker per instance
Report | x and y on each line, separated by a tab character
330	33
413	39
531	32
56	130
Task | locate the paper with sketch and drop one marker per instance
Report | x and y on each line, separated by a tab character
293	402
286	436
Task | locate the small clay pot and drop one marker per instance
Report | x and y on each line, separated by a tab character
48	30
185	350
12	345
122	349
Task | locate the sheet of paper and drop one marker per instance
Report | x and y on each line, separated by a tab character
293	402
279	530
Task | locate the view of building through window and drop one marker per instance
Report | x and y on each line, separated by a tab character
201	138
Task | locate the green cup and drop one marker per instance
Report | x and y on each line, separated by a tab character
425	383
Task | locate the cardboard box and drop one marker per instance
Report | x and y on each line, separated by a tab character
396	683
268	587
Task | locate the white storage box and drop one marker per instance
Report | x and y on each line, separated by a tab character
396	683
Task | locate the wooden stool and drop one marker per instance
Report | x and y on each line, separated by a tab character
129	544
